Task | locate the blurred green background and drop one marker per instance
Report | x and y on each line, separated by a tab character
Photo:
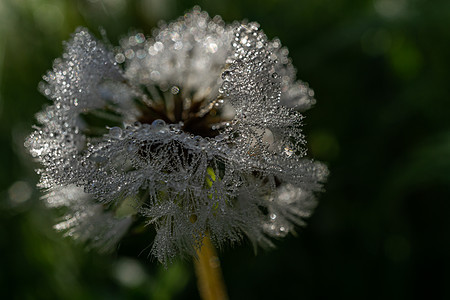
380	70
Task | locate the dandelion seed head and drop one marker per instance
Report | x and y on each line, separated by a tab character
196	128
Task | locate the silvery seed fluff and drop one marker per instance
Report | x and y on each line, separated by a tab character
195	130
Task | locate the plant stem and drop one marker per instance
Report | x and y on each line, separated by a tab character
209	275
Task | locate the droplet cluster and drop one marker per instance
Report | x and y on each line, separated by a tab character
196	128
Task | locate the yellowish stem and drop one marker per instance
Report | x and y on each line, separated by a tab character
209	275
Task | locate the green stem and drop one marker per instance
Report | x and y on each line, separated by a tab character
209	275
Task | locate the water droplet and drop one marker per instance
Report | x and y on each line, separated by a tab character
152	50
140	38
158	46
141	54
129	54
175	90
120	58
226	75
225	87
159	123
212	47
244	40
155	75
288	151
115	132
178	45
131	147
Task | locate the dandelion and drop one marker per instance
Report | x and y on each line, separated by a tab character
195	131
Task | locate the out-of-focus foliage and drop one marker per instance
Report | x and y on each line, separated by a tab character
380	70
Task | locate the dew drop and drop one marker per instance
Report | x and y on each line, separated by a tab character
226	75
155	75
225	87
115	132
175	90
244	40
178	45
140	38
159	123
120	58
158	46
131	147
288	151
129	54
212	47
141	54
